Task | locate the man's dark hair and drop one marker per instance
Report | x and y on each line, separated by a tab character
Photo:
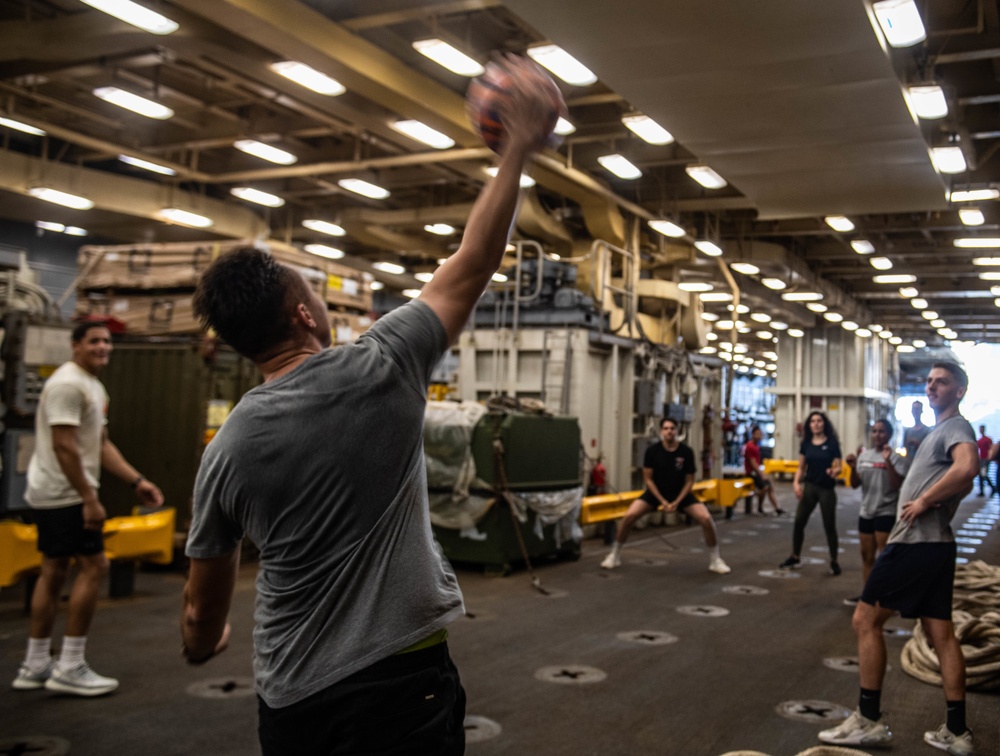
80	329
754	429
246	296
956	371
669	420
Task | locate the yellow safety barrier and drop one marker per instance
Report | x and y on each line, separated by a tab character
604	507
791	466
148	537
724	492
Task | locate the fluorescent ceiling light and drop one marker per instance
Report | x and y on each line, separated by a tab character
978	242
61	198
308	77
876	328
989	276
908	292
448	57
760	317
411	293
18	126
863	246
906	348
134	102
564	127
725	325
424	276
364	188
716	296
185	218
709	316
928	101
938	323
776	284
147	166
322	250
388	267
900	22
747	269
863	333
705	176
894	278
650	131
796	333
777	325
709	248
764	335
713	336
441	229
974	195
971	216
849	325
816	307
75	231
839	223
948	159
499	278
741	309
884	334
324	227
667	228
525	182
880	263
256	195
895	341
695	286
562	64
919	303
929	315
919	343
833	317
991	261
995	291
135	14
708	350
265	151
423	133
802	296
619	166
376	285
49	226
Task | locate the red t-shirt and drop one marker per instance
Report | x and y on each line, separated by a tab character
751	457
985	442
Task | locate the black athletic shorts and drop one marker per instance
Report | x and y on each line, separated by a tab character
759	481
61	532
653	503
880	524
915	579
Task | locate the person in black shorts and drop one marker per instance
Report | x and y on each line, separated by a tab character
668	470
914	575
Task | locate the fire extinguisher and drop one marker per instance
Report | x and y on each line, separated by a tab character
598	478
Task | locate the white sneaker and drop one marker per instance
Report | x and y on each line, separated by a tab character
858	730
28	679
719	567
956	745
612	560
80	681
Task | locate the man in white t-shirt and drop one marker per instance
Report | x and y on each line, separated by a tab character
71	447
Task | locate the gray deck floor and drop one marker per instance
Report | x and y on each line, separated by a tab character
714	689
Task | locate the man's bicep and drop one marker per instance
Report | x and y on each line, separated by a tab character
211	580
64	436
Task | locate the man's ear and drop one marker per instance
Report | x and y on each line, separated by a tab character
304	316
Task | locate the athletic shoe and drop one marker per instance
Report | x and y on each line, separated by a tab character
835	568
80	681
778	512
956	745
858	730
852	601
719	567
611	561
791	563
28	679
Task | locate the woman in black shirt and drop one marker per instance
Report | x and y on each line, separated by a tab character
819	465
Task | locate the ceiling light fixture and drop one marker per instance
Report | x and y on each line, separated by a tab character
447	56
376	285
919	303
747	269
974	195
667	228
619	166
135	14
839	223
802	296
440	229
833	317
900	22
990	275
895	341
977	242
919	343
322	250
883	334
988	261
880	263
411	293
423	133
862	246
133	102
525	182
564	127
760	317
364	188
650	131
775	284
863	333
324	227
716	296
777	325
424	276
695	286
709	316
709	248
257	196
906	348
58	197
948	159
308	77
562	64
60	228
185	217
499	278
971	216
895	278
796	333
389	267
10	123
938	323
766	335
816	307
849	325
264	151
147	165
908	292
705	176
928	101
929	315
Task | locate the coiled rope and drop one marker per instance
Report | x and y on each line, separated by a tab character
977	627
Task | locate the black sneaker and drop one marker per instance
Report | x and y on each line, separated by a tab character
834	568
852	601
791	563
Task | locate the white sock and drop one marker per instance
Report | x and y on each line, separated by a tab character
715	552
39	654
72	652
616	549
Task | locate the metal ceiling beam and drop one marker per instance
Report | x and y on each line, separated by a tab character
420	13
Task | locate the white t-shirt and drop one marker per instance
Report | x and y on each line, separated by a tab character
71	396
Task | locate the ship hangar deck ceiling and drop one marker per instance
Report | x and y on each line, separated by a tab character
799	106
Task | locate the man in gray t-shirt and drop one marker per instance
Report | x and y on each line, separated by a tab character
322	467
915	573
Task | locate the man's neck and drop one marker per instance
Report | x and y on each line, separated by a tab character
944	414
671	446
84	368
287	359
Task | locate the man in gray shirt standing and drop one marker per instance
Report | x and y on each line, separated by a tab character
915	573
322	467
